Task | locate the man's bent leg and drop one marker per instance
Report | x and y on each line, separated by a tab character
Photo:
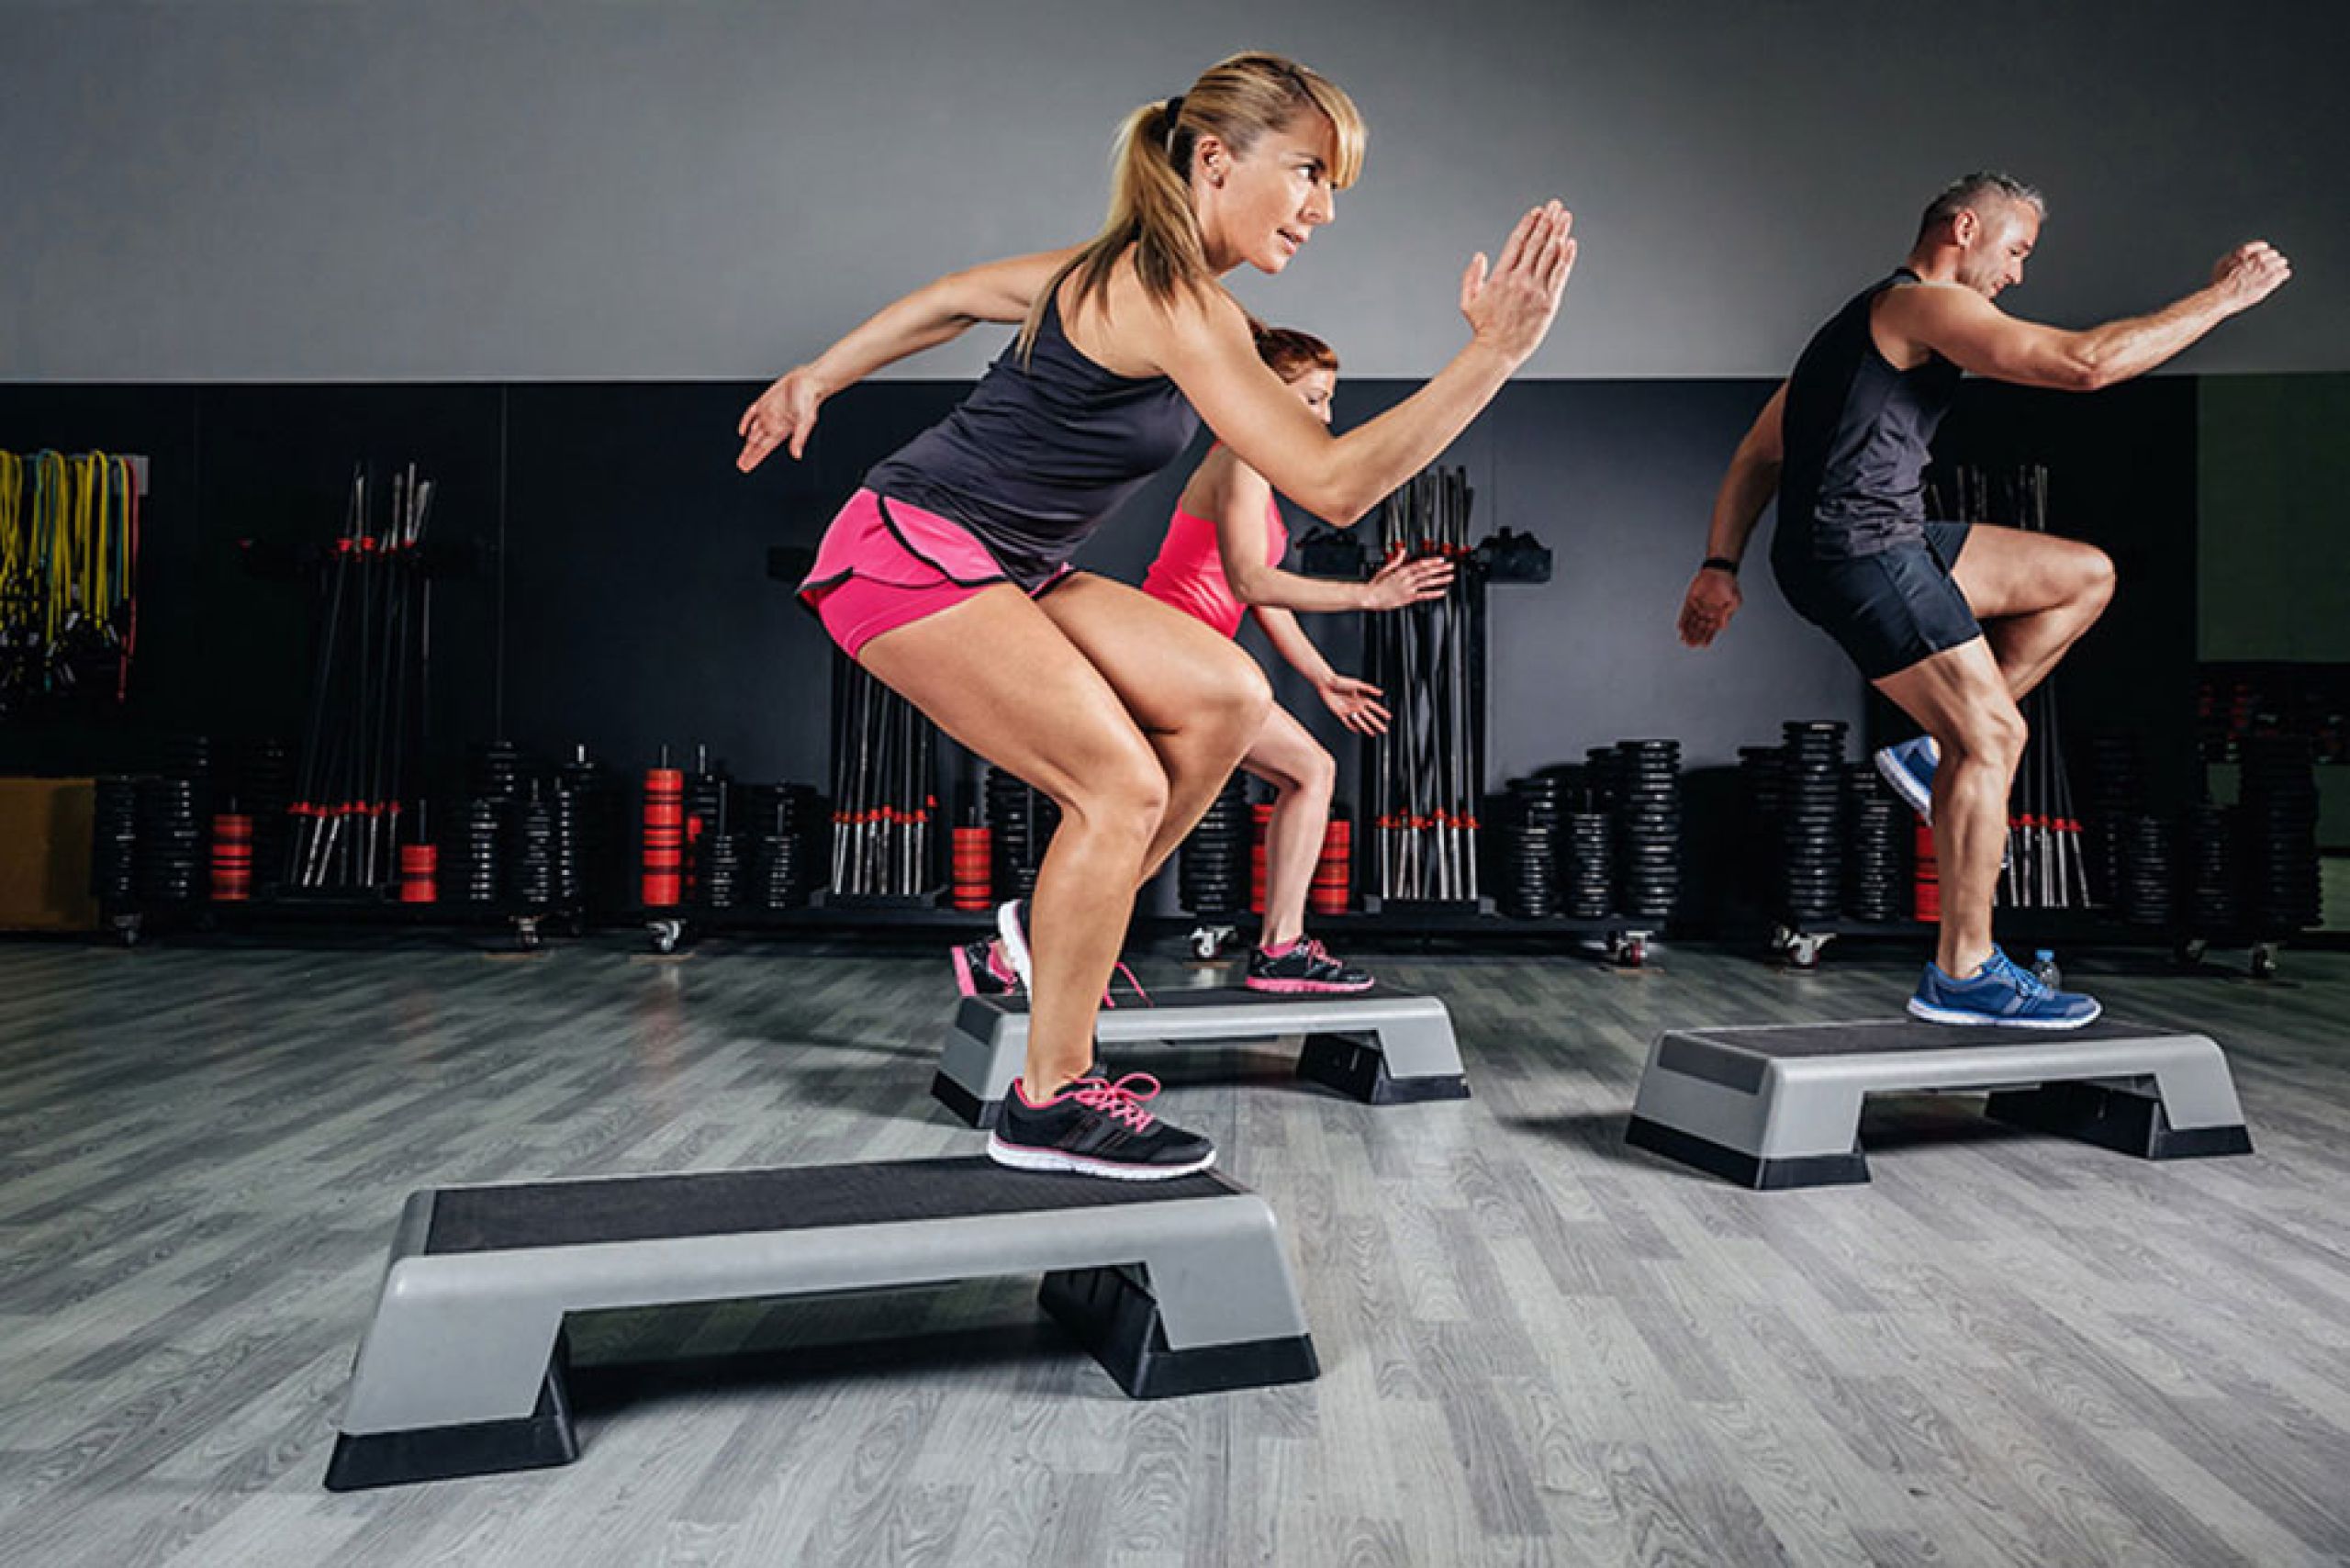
1960	699
2035	594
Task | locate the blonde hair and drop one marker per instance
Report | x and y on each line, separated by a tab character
1237	101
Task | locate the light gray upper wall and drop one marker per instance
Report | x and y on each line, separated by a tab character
387	189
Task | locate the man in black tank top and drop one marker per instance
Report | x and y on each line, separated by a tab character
1953	621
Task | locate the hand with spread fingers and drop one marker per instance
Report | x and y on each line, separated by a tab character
785	412
1511	307
1357	704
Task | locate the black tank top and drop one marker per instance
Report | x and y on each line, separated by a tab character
1040	453
1856	432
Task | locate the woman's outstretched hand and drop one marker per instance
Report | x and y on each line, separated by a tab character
1511	308
1408	581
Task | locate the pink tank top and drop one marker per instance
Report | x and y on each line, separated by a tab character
1188	573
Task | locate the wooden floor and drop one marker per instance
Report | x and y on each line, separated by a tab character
1538	1346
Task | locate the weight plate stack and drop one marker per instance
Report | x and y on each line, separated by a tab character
590	836
265	790
1587	864
796	816
2116	793
723	858
1211	865
494	771
170	840
1020	822
1527	879
1645	782
1877	880
779	870
2283	890
2213	879
527	872
476	828
1761	772
114	840
709	814
2148	882
1811	825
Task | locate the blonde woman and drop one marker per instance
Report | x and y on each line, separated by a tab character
947	574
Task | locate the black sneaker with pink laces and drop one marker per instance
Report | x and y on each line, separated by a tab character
1304	966
1096	1127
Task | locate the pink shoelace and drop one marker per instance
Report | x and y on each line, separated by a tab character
1116	1100
1111	1001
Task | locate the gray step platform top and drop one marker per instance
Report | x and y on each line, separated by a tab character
1873	1035
1223	1011
1887	1048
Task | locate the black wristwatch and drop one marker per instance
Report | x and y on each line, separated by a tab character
1718	564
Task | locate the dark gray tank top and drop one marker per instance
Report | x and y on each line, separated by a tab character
1857	434
1040	453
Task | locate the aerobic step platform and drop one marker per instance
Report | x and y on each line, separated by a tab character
1382	1047
1780	1106
1176	1286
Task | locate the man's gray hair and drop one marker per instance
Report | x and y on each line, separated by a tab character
1967	190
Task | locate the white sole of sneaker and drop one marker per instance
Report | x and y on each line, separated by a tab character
1021	1159
1904	783
1933	1014
1015	948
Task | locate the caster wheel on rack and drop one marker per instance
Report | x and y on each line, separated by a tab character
2264	960
1212	941
665	933
1803	948
2189	953
1627	949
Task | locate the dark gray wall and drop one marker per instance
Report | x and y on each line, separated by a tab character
225	190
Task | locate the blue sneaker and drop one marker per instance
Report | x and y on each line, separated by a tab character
1908	769
2002	995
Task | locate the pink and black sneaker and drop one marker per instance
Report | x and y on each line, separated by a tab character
980	970
1304	965
1095	1128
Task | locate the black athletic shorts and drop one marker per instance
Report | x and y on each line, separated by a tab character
1889	610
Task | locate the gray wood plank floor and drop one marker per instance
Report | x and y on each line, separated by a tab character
1539	1348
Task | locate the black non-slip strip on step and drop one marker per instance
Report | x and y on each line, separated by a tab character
725	1202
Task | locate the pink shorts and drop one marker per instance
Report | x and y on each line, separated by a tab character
884	564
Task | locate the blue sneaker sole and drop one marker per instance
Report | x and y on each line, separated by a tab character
1904	783
1932	1014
